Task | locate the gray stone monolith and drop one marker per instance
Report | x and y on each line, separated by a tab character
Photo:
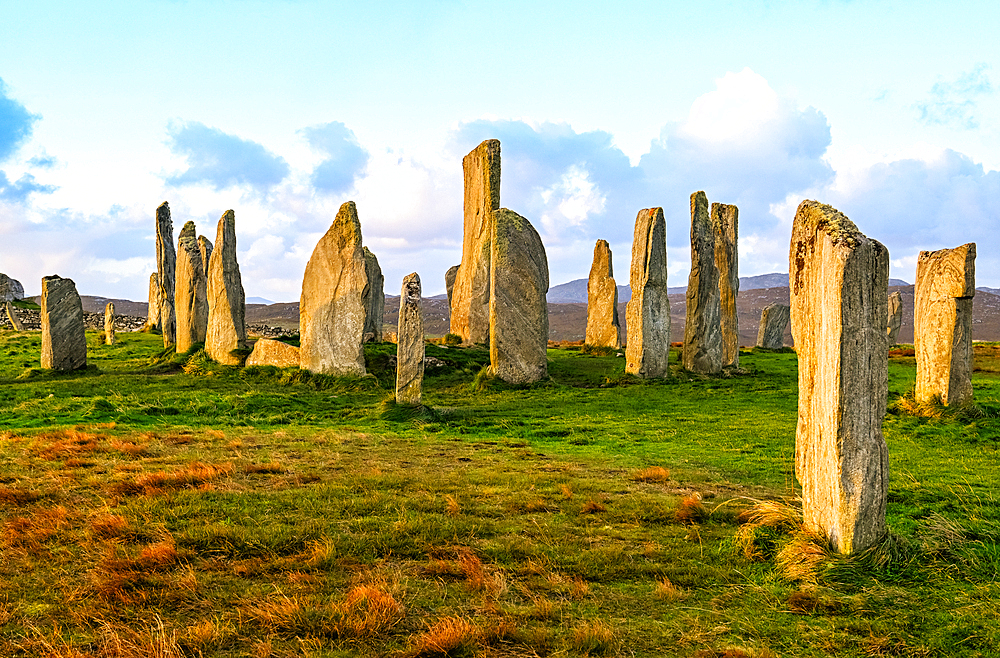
449	282
410	343
154	307
166	268
725	224
603	327
773	321
374	299
267	352
205	247
702	330
942	324
839	300
470	308
519	313
332	307
64	342
227	329
11	290
191	291
895	319
647	314
15	321
109	324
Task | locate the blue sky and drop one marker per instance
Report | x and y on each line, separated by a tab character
889	111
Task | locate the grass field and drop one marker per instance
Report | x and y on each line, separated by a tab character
161	505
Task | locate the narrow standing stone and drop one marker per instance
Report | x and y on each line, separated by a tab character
725	220
226	300
154	307
702	330
15	321
166	266
410	343
205	247
647	314
603	328
332	307
519	313
191	291
449	282
109	324
839	292
470	314
374	299
942	324
771	332
895	320
64	342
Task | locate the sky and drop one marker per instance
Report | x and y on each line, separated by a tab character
283	110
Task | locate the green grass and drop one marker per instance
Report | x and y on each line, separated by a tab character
158	504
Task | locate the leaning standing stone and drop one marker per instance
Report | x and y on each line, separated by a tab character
64	343
15	321
332	308
191	296
839	290
771	332
647	314
603	328
449	282
153	309
725	219
226	300
895	320
166	265
109	324
374	299
519	314
702	331
410	343
942	324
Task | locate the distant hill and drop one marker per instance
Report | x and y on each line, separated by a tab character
992	291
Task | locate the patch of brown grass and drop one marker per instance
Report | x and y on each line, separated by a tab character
665	590
273	467
652	474
802	559
579	588
593	507
17	496
108	526
691	510
129	448
593	638
30	532
63	444
567	491
364	613
195	474
451	507
368	611
764	514
447	637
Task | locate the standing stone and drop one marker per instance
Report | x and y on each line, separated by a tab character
603	328
895	319
519	313
10	289
226	300
702	330
470	314
191	292
154	307
839	292
410	343
109	324
332	307
942	324
15	321
64	343
773	320
205	247
725	220
647	314
166	267
374	299
449	281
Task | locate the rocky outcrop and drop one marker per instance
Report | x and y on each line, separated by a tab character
773	321
109	324
410	343
647	314
191	292
702	329
226	330
603	327
166	268
725	221
64	343
267	352
374	299
895	319
11	290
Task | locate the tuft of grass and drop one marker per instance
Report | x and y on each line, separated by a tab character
593	638
450	636
652	474
691	510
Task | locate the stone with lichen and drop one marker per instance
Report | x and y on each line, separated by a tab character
725	224
773	322
191	291
647	314
166	264
410	343
374	299
267	352
226	333
702	329
603	327
64	343
895	319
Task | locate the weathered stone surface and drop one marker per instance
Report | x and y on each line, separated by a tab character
166	268
15	321
942	324
205	247
839	294
647	314
64	343
603	328
471	294
267	352
374	299
410	343
725	224
191	291
773	320
154	307
449	281
702	330
519	315
10	289
332	308
109	324
226	300
895	320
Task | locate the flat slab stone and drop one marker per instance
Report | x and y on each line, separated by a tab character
191	291
603	327
647	314
773	322
725	223
702	329
267	352
410	343
227	329
64	342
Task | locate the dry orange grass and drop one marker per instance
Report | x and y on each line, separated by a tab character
579	588
803	558
273	467
667	591
195	474
108	526
30	532
129	448
447	637
652	474
593	638
567	491
691	510
764	514
452	508
62	444
593	507
365	612
17	496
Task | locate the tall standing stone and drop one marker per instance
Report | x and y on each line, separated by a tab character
154	307
702	330
15	322
603	328
942	324
227	329
64	343
839	293
773	321
374	299
519	313
166	268
332	308
191	292
470	314
647	314
410	343
109	324
725	223
205	247
895	319
449	282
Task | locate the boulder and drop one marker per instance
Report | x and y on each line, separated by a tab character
11	290
226	330
109	324
332	308
895	320
166	268
267	352
410	343
773	321
942	324
64	343
374	299
191	292
839	294
519	316
449	281
154	307
603	328
702	329
725	221
647	314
